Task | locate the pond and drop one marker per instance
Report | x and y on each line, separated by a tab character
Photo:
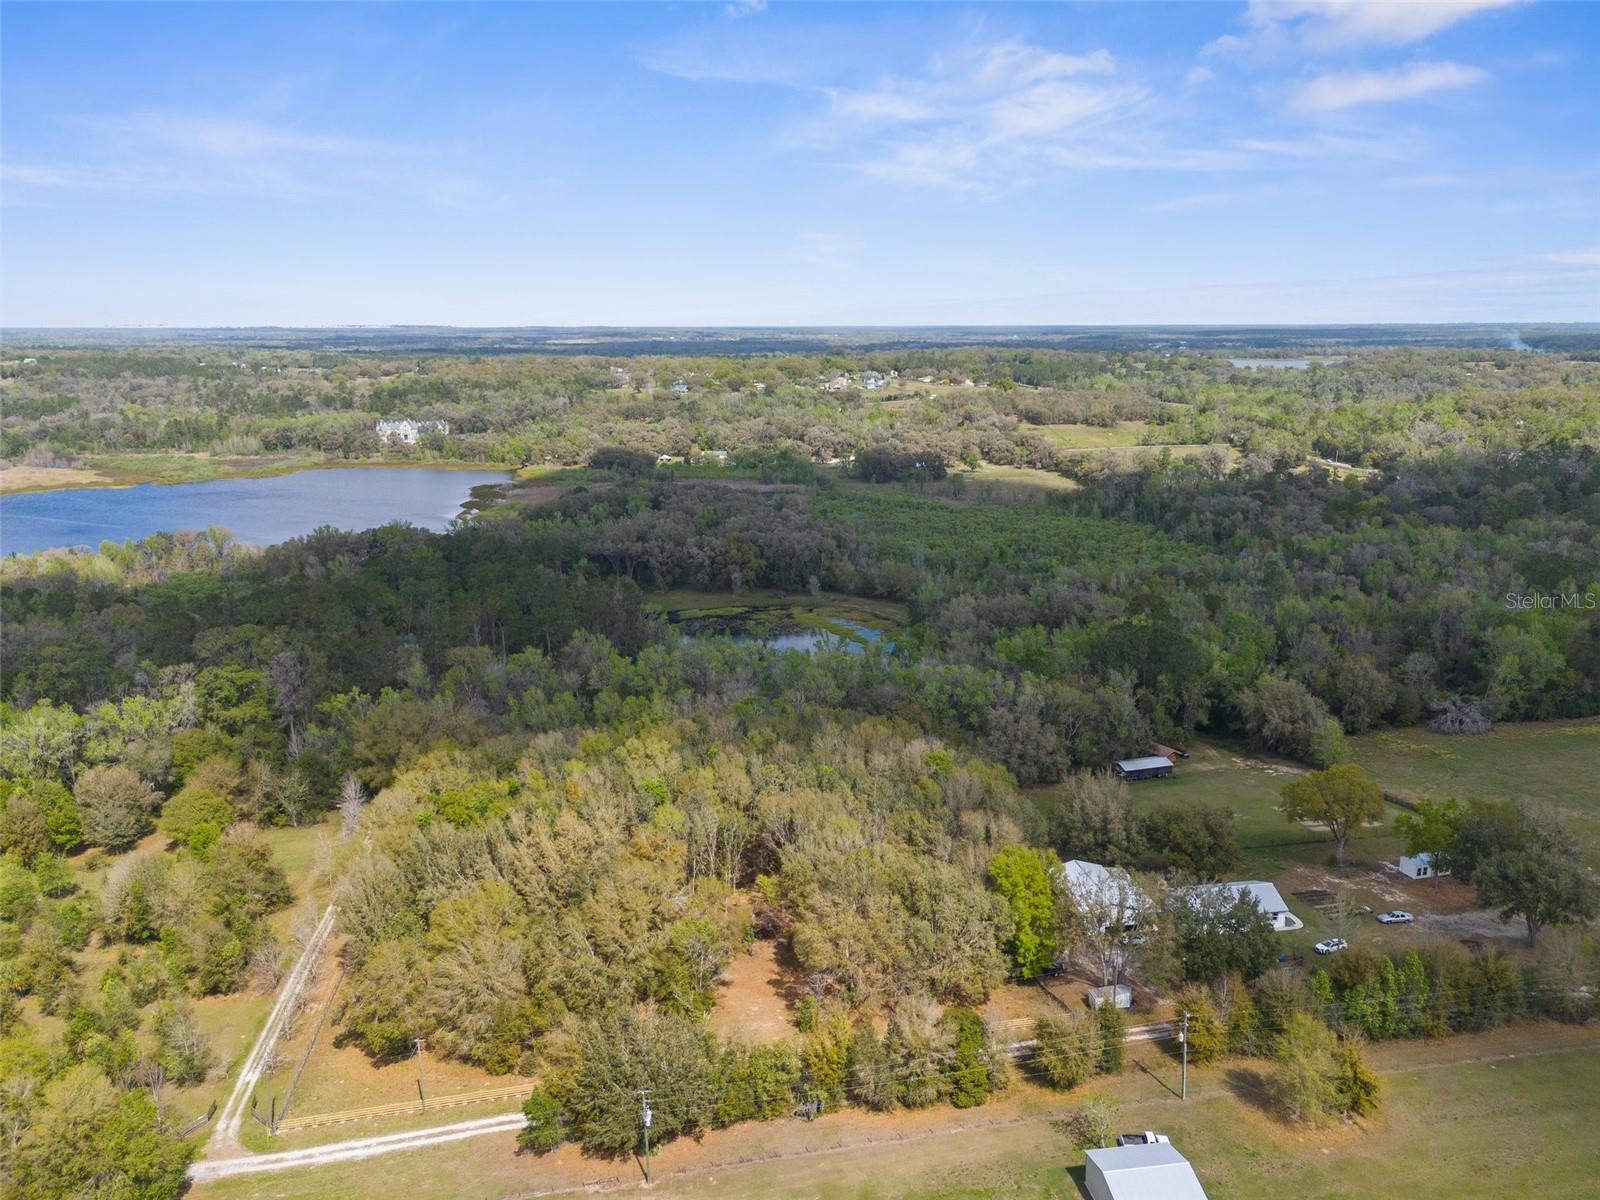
259	512
782	632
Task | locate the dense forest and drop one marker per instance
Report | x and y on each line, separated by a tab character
565	813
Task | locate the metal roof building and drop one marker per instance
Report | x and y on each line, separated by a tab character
1154	766
1156	1172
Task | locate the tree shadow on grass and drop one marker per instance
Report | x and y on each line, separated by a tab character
1249	1086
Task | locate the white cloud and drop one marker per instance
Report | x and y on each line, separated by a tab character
1345	89
1279	27
1196	76
744	8
988	117
1587	257
1339	24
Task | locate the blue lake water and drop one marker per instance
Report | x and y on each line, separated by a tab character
259	512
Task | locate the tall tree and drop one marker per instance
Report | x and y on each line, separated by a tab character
1526	864
1021	875
1341	799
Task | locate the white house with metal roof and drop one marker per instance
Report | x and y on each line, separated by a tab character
1104	894
1151	1172
1270	901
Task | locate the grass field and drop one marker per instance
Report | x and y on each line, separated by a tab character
1556	763
1509	1113
1091	437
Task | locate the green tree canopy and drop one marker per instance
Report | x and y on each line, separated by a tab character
1021	874
1341	799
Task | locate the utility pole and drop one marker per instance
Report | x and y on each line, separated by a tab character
421	1095
644	1117
1183	1040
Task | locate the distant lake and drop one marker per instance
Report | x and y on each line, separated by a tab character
259	512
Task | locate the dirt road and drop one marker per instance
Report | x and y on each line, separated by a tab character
225	1137
369	1147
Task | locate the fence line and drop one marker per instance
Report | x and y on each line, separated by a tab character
311	1044
198	1121
516	1091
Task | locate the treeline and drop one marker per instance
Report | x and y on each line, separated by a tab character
1374	407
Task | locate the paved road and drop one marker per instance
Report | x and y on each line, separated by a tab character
225	1137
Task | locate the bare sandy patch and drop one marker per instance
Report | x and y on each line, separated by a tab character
758	988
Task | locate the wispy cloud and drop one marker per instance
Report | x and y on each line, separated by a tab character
1586	257
744	8
170	152
223	136
1276	27
1195	200
987	117
1346	89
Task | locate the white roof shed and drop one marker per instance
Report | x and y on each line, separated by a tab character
1155	1172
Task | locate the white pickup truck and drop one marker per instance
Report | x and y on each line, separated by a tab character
1147	1138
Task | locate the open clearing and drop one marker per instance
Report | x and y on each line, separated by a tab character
1511	1112
755	999
1556	763
1091	437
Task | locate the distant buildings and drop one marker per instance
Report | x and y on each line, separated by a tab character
406	431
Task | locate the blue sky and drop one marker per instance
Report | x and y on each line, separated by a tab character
740	163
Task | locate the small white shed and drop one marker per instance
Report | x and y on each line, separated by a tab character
1154	1172
1420	866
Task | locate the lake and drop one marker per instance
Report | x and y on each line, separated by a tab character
259	512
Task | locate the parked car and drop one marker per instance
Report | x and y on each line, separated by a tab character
1147	1138
1331	946
1398	916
